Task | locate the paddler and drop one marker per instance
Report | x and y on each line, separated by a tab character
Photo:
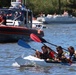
61	56
72	53
46	53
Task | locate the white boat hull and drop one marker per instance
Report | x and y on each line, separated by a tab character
57	19
31	60
37	24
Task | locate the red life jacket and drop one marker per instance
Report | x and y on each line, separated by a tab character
51	54
1	19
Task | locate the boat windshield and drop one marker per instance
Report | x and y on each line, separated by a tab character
13	14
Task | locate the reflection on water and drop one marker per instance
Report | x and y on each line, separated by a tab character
64	35
35	69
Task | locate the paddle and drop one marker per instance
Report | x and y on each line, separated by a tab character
24	44
41	40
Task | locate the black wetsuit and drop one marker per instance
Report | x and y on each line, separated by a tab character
44	55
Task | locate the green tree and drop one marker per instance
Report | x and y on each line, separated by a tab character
46	6
5	3
51	6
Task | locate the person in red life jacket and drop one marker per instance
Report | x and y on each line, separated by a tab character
51	52
43	54
47	53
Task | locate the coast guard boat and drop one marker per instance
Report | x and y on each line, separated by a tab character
18	23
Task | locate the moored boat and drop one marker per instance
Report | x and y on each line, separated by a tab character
37	24
54	19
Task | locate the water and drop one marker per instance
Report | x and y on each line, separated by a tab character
64	35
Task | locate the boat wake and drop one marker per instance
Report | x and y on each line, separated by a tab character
20	62
15	64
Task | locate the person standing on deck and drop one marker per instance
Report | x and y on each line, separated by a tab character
1	19
4	19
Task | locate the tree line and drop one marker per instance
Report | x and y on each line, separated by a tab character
46	6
